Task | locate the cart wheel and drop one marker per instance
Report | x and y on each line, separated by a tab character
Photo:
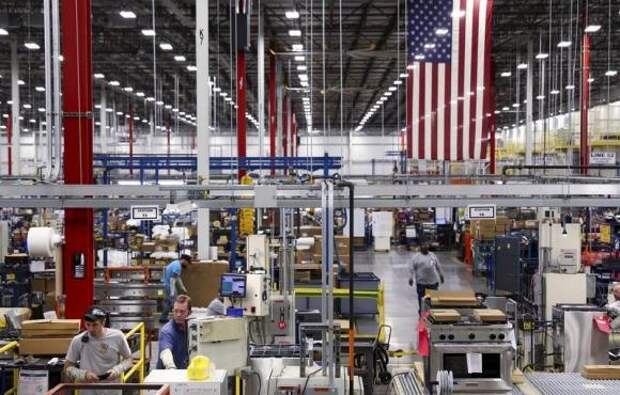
385	377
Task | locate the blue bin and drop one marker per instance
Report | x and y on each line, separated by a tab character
362	281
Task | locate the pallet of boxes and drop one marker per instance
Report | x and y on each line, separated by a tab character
308	262
47	337
488	229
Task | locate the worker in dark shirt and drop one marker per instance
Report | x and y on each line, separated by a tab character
173	352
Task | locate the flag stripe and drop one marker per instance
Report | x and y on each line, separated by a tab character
440	110
428	109
448	112
454	82
409	101
461	82
474	116
469	68
489	97
480	109
416	111
421	106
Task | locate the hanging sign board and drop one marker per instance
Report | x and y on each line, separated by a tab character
605	233
480	211
145	213
602	158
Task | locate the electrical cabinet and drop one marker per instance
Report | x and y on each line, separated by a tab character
223	340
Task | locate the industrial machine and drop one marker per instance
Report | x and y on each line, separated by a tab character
251	292
223	340
577	340
257	251
181	385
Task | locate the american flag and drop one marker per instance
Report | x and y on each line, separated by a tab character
449	87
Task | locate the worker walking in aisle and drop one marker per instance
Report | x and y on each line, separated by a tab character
99	354
173	353
426	270
173	284
613	309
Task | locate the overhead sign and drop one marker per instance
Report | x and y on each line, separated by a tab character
145	213
602	158
480	211
605	233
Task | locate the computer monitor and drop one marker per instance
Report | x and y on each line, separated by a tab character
232	285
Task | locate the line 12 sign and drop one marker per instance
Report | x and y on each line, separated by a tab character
481	211
145	213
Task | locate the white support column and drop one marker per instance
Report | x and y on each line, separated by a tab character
529	108
114	133
15	146
203	118
103	121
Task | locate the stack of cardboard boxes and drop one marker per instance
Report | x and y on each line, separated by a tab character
487	229
47	337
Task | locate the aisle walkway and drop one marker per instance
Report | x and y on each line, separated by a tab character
401	304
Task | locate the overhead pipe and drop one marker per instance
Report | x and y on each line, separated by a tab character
557	167
14	141
48	86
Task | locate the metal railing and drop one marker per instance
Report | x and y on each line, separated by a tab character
4	349
140	365
68	389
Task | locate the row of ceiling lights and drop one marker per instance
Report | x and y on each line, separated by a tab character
380	102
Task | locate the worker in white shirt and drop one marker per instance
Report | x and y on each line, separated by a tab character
613	309
426	271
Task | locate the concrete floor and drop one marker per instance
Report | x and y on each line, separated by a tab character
401	303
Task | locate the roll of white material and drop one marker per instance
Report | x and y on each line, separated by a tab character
42	242
304	243
213	253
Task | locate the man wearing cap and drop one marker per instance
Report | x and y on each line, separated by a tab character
98	354
173	284
173	352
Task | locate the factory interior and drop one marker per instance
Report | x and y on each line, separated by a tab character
309	197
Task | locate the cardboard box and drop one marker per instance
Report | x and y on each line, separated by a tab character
341	244
44	346
202	280
60	325
305	256
310	231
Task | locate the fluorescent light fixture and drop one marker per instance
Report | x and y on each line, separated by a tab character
159	103
540	97
119	113
109	110
27	106
429	46
570	87
611	73
41	109
128	14
297	47
39	89
192	68
303	77
140	94
99	76
148	32
179	58
387	94
522	66
114	83
32	45
497	111
593	28
441	32
542	56
61	58
506	74
590	80
398	82
403	75
294	33
555	92
150	98
291	14
217	89
128	89
136	118
392	88
516	105
300	58
302	68
3	32
304	84
505	108
165	46
564	44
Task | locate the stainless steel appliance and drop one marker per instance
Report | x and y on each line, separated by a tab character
479	355
577	341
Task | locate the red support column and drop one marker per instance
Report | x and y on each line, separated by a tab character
130	127
78	254
294	146
9	141
272	108
241	121
584	151
285	126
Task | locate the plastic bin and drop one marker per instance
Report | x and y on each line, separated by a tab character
363	281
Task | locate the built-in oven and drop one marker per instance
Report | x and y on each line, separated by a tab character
487	368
